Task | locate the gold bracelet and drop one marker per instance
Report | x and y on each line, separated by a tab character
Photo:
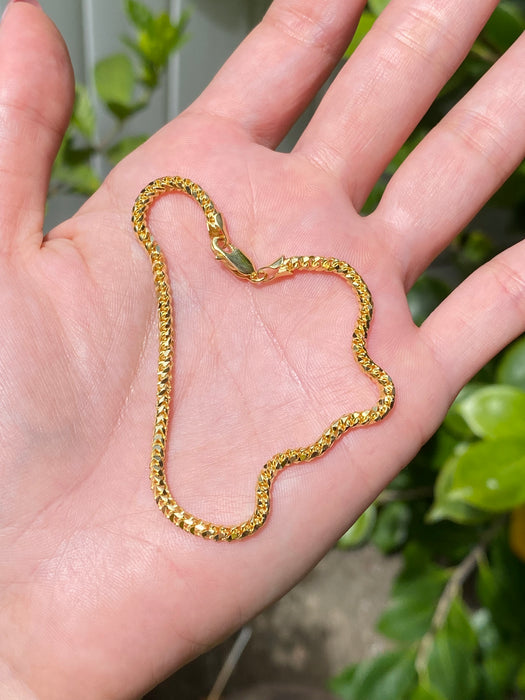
240	265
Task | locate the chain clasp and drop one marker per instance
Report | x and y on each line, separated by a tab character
236	261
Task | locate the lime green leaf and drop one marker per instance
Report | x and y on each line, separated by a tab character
365	25
445	508
377	6
124	147
511	368
495	411
161	38
425	692
115	81
391	530
360	532
409	612
387	677
490	475
139	14
427	293
83	117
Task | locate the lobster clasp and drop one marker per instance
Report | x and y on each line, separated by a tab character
234	259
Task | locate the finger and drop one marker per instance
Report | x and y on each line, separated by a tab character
479	318
457	167
268	82
36	94
388	85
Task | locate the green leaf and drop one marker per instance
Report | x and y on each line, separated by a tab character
454	422
495	411
500	586
139	14
377	6
452	670
162	37
446	508
360	532
520	678
115	80
390	676
504	26
83	117
124	147
79	178
511	368
365	25
409	611
426	294
391	530
499	669
425	692
490	475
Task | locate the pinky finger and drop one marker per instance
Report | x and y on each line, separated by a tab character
479	318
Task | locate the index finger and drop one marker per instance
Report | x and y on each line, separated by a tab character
273	75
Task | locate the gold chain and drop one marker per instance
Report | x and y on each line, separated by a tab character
241	266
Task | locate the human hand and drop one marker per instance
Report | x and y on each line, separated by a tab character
101	596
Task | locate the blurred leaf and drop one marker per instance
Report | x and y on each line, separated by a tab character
124	147
445	508
139	14
475	247
377	6
155	44
359	533
386	677
511	368
424	692
412	604
365	25
520	678
83	117
495	411
79	178
500	586
490	475
499	668
451	667
517	532
115	80
426	294
391	529
504	26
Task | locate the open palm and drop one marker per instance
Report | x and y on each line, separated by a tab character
99	592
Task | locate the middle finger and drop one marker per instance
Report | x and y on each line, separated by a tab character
387	86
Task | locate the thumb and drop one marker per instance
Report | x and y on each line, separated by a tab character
36	98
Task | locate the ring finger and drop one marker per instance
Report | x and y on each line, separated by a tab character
388	85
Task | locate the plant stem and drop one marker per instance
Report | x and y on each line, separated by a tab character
451	590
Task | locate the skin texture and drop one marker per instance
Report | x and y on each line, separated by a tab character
101	596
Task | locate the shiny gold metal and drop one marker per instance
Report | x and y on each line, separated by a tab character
237	262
